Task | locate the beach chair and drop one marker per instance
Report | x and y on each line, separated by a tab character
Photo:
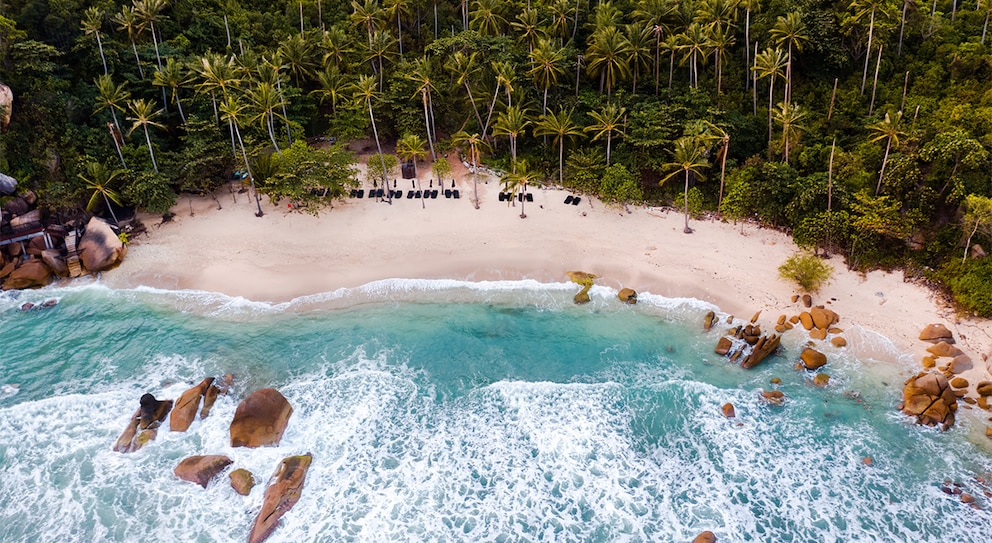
502	196
456	194
361	193
569	199
576	201
417	194
447	193
353	193
409	195
530	197
380	193
434	194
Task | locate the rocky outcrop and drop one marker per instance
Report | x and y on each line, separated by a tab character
100	249
31	274
774	397
6	105
764	347
143	426
586	280
187	405
823	318
242	481
723	346
55	262
936	332
928	397
708	320
813	359
984	388
280	496
201	469
260	419
627	296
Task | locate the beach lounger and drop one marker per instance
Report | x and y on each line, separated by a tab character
380	193
447	193
502	197
530	197
409	195
456	194
417	194
434	194
353	193
361	193
568	199
576	201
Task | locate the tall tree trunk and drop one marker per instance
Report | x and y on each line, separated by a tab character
771	93
871	32
251	177
475	175
885	160
747	45
685	194
723	170
474	108
117	142
116	222
830	177
378	146
151	152
874	84
399	30
609	142
561	160
99	45
902	26
905	86
427	122
289	135
833	96
788	77
271	125
137	60
754	81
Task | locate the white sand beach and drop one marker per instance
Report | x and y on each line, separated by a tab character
287	254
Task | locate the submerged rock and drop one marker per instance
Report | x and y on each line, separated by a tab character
280	496
705	537
764	347
260	419
201	469
187	405
774	397
728	410
708	320
143	426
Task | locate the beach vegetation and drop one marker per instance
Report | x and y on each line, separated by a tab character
970	283
619	186
808	271
310	177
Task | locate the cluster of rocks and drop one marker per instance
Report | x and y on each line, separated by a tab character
585	279
53	253
932	396
260	420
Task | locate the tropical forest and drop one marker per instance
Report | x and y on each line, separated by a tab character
861	127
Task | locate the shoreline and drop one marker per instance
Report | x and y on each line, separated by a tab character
288	254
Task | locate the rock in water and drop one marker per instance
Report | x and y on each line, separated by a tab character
936	332
627	296
928	397
186	406
723	346
728	410
100	249
209	397
708	320
705	537
143	425
582	297
201	469
31	274
774	397
280	496
242	481
260	419
764	347
813	359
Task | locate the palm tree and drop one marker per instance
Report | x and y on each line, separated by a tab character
397	9
150	11
789	116
640	40
527	27
513	122
769	64
608	56
486	17
92	21
546	67
297	51
516	183
887	130
217	75
696	44
465	69
409	148
608	121
560	11
672	44
336	46
475	144
561	126
143	112
364	94
230	111
422	75
331	86
265	99
688	158
861	9
720	14
721	39
791	32
380	48
174	76
504	71
367	14
98	179
112	97
127	20
709	134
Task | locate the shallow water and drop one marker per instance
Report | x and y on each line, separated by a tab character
449	411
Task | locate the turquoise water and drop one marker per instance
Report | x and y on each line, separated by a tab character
443	411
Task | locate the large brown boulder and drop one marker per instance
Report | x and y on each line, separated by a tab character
143	425
984	388
928	397
764	347
708	320
201	469
813	359
187	405
944	348
723	346
100	249
807	319
31	274
961	363
936	332
705	537
627	296
53	259
823	318
260	419
280	496
242	481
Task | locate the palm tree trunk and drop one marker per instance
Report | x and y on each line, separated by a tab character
522	200
427	121
723	170
747	44
475	174
671	70
561	160
902	26
874	84
788	77
137	60
771	93
117	144
492	106
99	44
754	81
179	104
830	176
270	125
686	195
289	135
399	30
251	177
985	27
885	159
375	132
609	137
474	108
151	152
871	31
158	58
234	148
833	96
967	244
116	222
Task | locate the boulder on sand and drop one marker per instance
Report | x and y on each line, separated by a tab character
627	296
187	405
280	496
100	249
201	469
944	348
260	419
928	397
936	332
53	259
708	320
31	274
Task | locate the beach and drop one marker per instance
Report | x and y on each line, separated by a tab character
289	253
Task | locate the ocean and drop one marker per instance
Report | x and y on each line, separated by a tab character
448	411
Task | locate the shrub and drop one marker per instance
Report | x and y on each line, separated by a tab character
971	284
808	271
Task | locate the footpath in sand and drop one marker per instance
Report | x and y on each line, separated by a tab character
287	254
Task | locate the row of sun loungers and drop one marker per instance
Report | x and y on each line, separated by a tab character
410	194
506	197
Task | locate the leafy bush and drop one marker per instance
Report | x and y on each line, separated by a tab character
695	201
808	271
970	284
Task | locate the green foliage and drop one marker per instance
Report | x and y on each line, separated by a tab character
374	172
310	177
970	284
696	200
619	186
808	271
150	192
584	168
823	230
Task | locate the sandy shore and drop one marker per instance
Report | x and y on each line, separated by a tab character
287	254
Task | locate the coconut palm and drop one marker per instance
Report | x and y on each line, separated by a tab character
112	97
708	135
409	148
297	52
91	24
770	64
560	125
98	179
331	86
608	56
512	123
336	46
216	74
364	93
265	100
396	10
640	42
791	32
516	183
476	144
688	159
465	69
230	111
143	111
721	39
871	9
547	65
789	117
368	14
889	131
560	12
422	75
527	27
150	12
671	45
486	17
656	14
175	76
696	46
607	122
127	20
380	48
